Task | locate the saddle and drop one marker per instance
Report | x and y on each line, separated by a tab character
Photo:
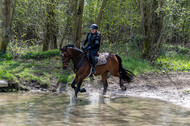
101	58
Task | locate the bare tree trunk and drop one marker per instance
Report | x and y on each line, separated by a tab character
68	22
8	14
50	37
147	41
101	12
153	28
78	13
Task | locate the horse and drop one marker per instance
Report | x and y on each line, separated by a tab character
82	68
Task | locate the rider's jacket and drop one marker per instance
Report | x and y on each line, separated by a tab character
93	40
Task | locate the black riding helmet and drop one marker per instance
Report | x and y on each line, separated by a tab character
94	26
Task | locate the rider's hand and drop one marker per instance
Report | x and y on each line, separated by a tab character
82	47
89	48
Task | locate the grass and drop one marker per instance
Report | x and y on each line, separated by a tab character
137	65
40	55
45	67
175	58
42	71
187	92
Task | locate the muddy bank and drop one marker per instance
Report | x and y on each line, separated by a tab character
172	87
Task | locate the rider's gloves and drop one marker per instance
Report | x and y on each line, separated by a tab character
82	47
89	48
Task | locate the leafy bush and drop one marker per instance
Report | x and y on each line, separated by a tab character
39	55
137	65
6	56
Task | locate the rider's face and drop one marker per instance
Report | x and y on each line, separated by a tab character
93	31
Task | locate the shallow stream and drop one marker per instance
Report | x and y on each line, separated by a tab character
52	109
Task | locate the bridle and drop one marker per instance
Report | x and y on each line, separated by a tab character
68	56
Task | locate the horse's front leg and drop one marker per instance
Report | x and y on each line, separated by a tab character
77	88
74	82
73	85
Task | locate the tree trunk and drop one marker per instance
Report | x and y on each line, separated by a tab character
101	12
68	22
50	37
147	40
153	28
78	13
8	14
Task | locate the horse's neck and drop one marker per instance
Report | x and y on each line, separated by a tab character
77	56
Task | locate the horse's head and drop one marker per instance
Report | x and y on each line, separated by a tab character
66	55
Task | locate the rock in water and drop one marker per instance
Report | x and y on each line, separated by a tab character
3	84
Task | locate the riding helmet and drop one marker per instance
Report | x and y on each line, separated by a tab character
94	26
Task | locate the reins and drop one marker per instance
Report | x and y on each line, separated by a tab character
73	58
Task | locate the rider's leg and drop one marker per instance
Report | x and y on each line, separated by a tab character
93	60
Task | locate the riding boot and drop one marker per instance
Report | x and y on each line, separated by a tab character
93	70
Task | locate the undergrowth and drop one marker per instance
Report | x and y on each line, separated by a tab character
45	67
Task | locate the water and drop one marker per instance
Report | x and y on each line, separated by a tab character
47	109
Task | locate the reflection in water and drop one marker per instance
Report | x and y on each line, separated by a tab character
34	109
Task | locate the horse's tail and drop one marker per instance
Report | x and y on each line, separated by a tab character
125	74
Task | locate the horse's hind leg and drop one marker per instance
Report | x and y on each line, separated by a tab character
121	83
105	83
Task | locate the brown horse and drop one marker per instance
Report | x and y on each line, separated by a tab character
82	68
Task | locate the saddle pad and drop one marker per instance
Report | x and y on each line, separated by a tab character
102	58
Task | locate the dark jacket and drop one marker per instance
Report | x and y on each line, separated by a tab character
93	40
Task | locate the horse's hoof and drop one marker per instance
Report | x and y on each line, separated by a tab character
83	90
74	97
124	88
106	96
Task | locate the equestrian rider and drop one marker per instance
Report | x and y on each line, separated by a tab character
93	38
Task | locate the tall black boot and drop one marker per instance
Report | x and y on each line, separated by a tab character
93	70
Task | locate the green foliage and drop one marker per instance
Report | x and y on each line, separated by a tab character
6	56
22	70
175	58
121	29
63	78
130	56
120	20
39	55
187	92
177	49
137	65
175	62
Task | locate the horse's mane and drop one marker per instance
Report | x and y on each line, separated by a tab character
73	46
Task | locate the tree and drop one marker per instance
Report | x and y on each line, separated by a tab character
101	12
50	37
78	13
8	14
68	26
152	22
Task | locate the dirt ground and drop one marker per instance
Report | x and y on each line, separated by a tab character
172	87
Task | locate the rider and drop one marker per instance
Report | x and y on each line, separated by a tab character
93	38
